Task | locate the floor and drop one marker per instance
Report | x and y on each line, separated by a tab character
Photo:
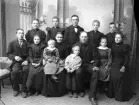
8	99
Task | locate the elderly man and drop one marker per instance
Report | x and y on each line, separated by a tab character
90	61
18	53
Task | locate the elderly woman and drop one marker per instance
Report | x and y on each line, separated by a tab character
57	89
119	69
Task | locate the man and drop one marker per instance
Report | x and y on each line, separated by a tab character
111	34
53	31
18	53
71	35
35	30
89	57
94	35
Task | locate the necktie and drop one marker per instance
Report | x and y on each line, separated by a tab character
20	43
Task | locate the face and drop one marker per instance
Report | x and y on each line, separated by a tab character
36	39
51	44
35	24
103	42
112	28
118	38
59	38
83	37
76	50
55	22
20	34
75	21
95	26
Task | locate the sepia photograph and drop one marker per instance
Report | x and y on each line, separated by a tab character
69	52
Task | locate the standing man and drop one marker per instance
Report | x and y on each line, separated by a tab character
53	31
35	30
72	32
95	34
111	35
18	53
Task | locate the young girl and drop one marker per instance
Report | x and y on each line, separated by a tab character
72	65
51	57
105	59
36	67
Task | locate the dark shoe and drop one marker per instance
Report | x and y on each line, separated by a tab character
93	101
37	93
24	94
75	95
70	94
82	94
29	93
15	93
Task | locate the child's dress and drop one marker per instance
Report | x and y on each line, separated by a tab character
53	54
72	62
105	60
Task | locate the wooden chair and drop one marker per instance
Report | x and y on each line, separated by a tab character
5	71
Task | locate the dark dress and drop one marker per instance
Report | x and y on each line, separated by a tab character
105	60
118	86
35	73
56	89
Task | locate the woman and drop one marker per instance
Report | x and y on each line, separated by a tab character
119	85
57	89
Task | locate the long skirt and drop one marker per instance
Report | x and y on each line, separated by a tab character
34	79
52	88
118	84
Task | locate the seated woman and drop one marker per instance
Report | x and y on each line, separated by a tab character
50	87
119	86
105	63
34	79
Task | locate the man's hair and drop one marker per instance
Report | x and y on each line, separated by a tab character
74	16
35	20
55	17
96	21
111	23
19	29
103	37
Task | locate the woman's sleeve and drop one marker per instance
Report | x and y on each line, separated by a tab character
126	51
109	58
30	58
57	54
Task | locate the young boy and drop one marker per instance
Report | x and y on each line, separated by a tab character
111	35
18	53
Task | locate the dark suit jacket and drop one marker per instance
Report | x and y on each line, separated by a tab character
53	31
14	49
110	38
94	38
70	36
30	35
88	53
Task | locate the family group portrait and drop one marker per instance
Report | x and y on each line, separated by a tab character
68	52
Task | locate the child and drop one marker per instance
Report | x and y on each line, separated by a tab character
72	65
51	57
35	69
105	61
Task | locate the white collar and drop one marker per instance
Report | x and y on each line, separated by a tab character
51	48
103	48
